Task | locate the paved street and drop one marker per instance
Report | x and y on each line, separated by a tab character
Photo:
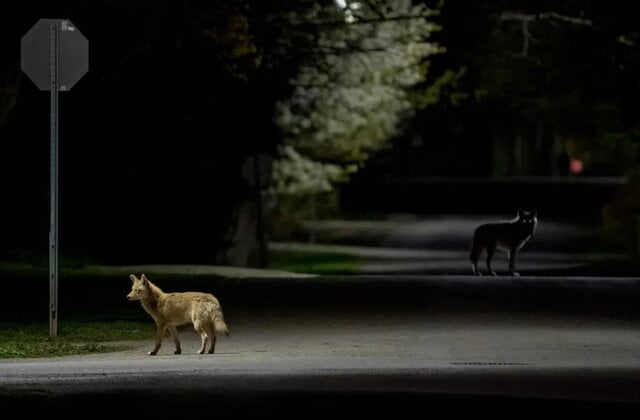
319	354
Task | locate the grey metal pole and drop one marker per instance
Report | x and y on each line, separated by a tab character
53	226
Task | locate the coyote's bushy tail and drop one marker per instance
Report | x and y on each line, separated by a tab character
219	324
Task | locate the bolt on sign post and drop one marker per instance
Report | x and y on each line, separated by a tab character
55	55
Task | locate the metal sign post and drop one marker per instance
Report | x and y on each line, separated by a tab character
55	56
53	221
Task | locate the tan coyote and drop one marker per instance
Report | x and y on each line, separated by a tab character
170	310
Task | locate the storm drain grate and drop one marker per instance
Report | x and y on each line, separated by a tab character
489	364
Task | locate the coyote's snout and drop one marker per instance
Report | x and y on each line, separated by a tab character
169	310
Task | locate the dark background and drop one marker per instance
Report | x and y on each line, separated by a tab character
153	140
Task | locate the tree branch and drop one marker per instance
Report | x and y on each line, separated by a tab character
564	18
374	8
361	21
525	19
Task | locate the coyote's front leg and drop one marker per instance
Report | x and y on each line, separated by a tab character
159	336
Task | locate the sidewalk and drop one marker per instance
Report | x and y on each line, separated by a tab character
385	260
195	270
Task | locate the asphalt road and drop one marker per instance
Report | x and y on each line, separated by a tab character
578	351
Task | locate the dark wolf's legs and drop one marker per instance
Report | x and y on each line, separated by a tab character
174	334
476	250
513	253
474	268
159	335
491	249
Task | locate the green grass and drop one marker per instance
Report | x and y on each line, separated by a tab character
30	339
92	318
313	262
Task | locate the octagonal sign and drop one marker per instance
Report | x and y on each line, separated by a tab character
38	49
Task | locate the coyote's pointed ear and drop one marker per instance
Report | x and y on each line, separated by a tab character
144	278
133	278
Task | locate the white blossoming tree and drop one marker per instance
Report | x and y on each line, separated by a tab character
352	91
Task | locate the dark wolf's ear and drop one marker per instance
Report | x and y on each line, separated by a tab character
133	278
520	212
534	213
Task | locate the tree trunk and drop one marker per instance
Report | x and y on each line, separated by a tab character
518	152
242	238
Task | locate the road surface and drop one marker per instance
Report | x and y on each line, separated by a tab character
375	356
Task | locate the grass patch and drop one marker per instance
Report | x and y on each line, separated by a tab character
31	339
313	262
